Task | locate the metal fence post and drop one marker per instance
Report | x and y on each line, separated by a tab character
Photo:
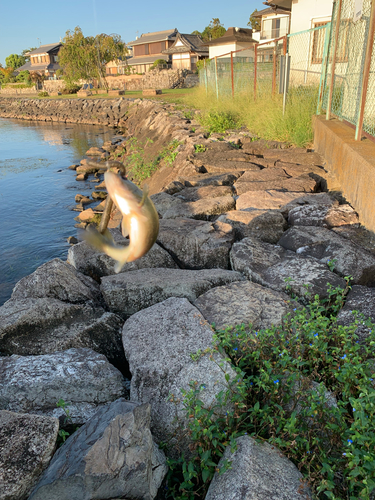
216	82
274	70
333	67
255	71
366	73
324	69
231	71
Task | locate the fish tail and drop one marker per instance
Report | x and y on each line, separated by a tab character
105	243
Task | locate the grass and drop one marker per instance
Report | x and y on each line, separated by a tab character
263	117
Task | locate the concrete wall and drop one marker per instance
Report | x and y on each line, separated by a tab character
307	12
165	79
351	162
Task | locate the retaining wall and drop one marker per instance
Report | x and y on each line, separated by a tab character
351	162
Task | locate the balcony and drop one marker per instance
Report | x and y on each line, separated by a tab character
273	33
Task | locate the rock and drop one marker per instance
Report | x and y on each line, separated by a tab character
58	280
292	156
198	193
81	377
361	299
127	293
88	168
72	240
325	245
158	342
173	187
27	443
227	179
43	326
265	175
94	151
358	235
313	215
265	200
73	167
196	244
204	209
86	215
266	225
282	270
99	195
319	199
81	177
96	264
164	201
303	183
243	303
258	471
112	455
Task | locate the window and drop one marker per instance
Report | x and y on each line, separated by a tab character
318	43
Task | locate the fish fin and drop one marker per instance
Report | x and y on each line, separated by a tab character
144	196
120	263
95	239
124	227
108	236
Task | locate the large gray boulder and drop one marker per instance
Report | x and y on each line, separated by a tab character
266	225
265	200
27	443
197	244
43	326
203	209
362	300
97	264
58	280
158	344
317	199
127	293
325	216
202	180
243	303
258	471
325	245
81	377
302	184
164	202
199	193
282	270
112	456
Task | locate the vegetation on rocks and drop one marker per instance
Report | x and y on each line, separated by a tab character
306	387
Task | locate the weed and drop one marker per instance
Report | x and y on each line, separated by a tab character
193	129
63	434
189	115
306	387
218	121
331	264
199	148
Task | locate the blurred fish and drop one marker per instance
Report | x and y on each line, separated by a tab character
140	221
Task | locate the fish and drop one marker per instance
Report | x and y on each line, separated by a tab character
140	222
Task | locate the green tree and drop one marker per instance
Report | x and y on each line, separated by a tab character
214	30
14	61
86	57
255	22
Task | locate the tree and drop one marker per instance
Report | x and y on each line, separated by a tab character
14	61
214	30
86	57
255	22
7	74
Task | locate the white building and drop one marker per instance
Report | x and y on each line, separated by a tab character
234	39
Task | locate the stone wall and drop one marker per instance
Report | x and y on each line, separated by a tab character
53	85
17	91
165	79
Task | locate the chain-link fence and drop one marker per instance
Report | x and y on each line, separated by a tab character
349	81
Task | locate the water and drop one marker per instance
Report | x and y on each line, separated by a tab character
36	199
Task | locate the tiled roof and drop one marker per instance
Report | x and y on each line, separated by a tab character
156	36
39	67
193	43
146	59
264	12
234	35
43	49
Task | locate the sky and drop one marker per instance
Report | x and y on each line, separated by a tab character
26	24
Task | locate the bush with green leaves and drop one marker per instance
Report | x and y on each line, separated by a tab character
218	121
306	387
43	94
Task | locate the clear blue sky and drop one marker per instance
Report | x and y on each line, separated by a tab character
25	23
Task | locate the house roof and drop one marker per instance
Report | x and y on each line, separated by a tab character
284	4
44	49
270	10
146	59
234	35
191	43
156	36
39	67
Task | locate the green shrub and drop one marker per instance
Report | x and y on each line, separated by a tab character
280	395
43	94
71	89
218	121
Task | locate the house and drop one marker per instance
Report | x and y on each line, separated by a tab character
233	40
44	60
186	51
275	22
149	47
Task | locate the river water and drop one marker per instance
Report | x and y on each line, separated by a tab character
37	192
